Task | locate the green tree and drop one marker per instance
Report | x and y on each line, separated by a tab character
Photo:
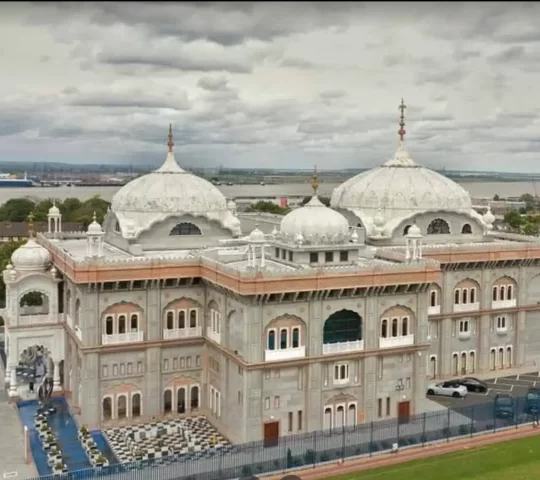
267	207
514	220
496	197
6	250
531	228
16	210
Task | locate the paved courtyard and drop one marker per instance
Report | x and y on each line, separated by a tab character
12	463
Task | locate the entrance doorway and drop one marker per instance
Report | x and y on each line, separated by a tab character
271	434
404	412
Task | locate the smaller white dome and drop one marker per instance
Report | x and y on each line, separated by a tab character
256	236
275	231
31	257
316	223
54	210
94	228
414	231
488	217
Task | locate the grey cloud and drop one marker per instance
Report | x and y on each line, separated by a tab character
130	99
508	54
447	77
332	94
213	83
297	63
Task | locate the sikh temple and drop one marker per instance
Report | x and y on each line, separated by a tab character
270	326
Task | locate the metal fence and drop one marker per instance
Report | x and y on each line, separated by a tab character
312	449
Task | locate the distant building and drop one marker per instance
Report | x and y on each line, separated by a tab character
18	231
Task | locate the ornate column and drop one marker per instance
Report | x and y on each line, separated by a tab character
57	387
13	389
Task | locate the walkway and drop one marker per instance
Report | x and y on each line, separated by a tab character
12	463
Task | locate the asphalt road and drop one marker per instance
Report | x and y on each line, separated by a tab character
479	406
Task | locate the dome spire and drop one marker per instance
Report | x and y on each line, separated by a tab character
315	181
402	130
170	143
31	226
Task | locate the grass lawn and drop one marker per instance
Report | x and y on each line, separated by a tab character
515	460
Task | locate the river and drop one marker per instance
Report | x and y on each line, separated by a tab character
476	189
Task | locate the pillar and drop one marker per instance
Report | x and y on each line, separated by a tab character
13	389
57	387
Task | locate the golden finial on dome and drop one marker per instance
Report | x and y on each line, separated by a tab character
31	226
402	130
170	143
315	181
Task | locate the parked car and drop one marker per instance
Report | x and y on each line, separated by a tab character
503	406
447	389
473	384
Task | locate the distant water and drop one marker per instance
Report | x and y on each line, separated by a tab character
476	189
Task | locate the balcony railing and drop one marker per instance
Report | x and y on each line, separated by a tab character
466	307
36	319
116	338
343	347
464	335
502	330
214	336
393	342
177	333
284	354
504	303
434	310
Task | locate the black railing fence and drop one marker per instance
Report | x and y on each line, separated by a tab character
312	449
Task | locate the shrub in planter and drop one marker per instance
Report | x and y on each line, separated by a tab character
246	471
324	457
84	430
50	439
402	442
100	460
310	456
385	445
489	427
373	447
463	430
297	462
411	441
59	467
358	451
423	438
44	428
447	432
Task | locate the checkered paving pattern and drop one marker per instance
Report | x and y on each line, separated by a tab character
188	438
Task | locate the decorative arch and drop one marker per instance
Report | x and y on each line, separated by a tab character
340	411
285	332
466	229
122	318
235	331
504	289
34	301
343	326
438	227
434	295
406	229
185	229
396	321
466	292
122	402
181	318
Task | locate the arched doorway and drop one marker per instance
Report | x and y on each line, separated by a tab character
327	418
194	397
463	363
342	327
433	366
106	407
181	400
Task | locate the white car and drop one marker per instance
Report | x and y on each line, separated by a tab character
448	389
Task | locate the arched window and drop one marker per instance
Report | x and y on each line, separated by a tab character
495	295
167	401
122	406
464	296
136	405
472	295
404	326
463	363
433	299
340	417
185	228
283	339
272	340
351	417
295	337
181	319
406	230
181	400
121	324
501	292
384	328
106	407
395	331
134	322
472	362
466	229
117	227
438	227
509	356
342	326
509	292
170	320
456	296
194	397
192	318
327	418
109	325
455	364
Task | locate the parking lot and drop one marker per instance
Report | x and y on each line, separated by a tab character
515	385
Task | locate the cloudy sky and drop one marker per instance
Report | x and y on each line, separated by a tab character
271	84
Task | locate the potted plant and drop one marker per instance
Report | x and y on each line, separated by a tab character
83	431
138	455
100	461
59	467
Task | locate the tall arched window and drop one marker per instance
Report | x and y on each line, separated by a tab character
121	324
167	401
384	328
136	405
185	228
395	331
272	340
170	320
466	229
283	339
438	227
192	318
109	325
181	319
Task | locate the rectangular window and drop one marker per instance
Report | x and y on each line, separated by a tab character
188	362
129	368
104	371
239	397
300	419
198	360
277	252
175	363
387	406
379	408
343	256
341	372
328	257
290	256
463	326
276	402
290	422
115	370
284	254
122	369
408	382
139	367
501	323
182	362
314	257
267	374
380	367
166	364
267	403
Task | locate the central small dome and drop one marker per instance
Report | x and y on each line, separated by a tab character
316	223
168	191
31	257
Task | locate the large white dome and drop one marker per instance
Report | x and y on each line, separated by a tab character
167	191
31	257
316	223
399	189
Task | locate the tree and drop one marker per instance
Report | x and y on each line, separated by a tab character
496	197
6	250
531	228
514	220
16	210
267	207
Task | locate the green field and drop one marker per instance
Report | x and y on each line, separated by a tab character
515	460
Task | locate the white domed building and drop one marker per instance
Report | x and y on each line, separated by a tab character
386	201
169	209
